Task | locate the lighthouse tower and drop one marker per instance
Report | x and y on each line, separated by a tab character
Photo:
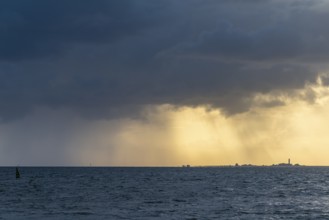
289	161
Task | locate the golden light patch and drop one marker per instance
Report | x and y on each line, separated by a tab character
172	136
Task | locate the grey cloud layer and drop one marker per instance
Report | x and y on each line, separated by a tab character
107	58
36	29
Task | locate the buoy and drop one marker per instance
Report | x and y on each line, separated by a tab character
17	173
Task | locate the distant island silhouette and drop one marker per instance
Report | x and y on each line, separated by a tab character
286	164
289	164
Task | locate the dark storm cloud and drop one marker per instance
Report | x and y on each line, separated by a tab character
108	58
227	42
47	28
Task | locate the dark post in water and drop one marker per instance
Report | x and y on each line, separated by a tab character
17	173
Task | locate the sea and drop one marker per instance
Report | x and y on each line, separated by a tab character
165	193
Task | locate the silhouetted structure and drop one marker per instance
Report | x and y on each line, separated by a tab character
18	175
286	164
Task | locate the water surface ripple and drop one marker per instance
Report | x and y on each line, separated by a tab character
165	193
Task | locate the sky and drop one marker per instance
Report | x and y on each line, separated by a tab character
164	83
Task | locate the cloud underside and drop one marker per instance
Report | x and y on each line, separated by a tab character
110	59
172	136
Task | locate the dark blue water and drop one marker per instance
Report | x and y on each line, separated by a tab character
165	193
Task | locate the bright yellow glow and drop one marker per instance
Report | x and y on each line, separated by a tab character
171	136
277	127
199	136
